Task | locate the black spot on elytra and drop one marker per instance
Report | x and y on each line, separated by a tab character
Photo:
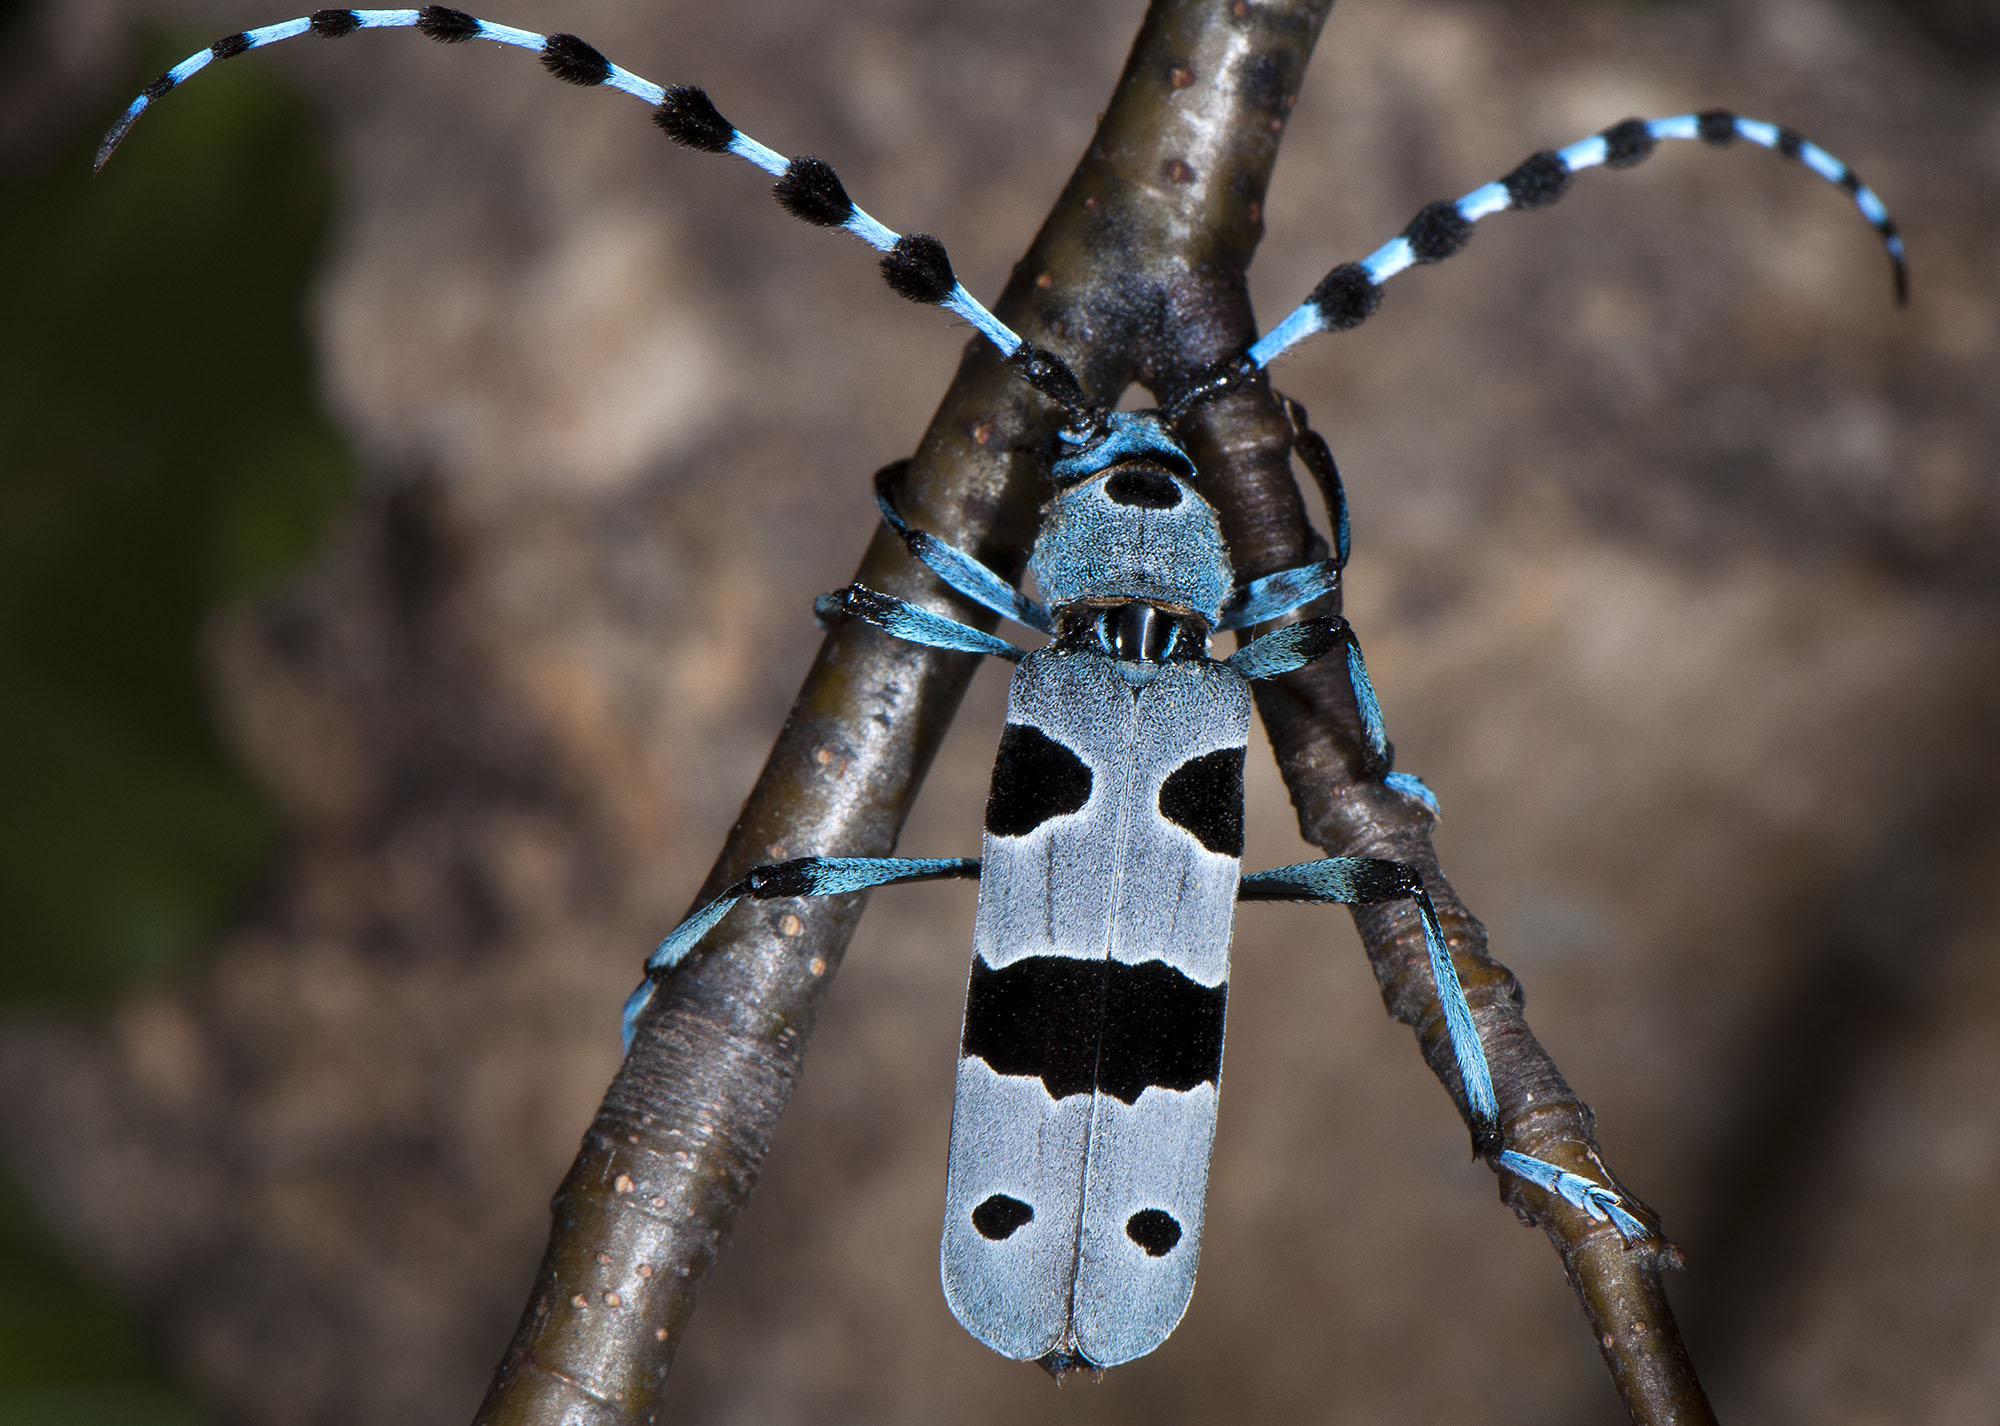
1205	796
689	117
1034	778
1626	143
919	268
574	61
1080	1025
448	26
812	192
1155	1232
1437	232
1147	489
1346	297
1161	1031
1001	1217
1538	182
332	24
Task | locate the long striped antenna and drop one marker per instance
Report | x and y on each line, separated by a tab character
914	265
1347	296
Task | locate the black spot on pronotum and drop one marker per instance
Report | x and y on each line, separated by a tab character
1538	182
574	61
1079	1025
919	268
1000	1217
1716	127
811	192
448	26
1346	297
1034	778
1155	1232
332	24
1205	796
689	117
1437	232
1147	489
1626	143
229	46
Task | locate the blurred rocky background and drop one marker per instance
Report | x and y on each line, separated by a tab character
417	475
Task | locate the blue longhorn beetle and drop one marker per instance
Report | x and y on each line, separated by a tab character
1111	864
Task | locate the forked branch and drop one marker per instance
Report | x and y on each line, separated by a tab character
1137	275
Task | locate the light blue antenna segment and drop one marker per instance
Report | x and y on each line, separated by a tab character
189	67
1389	259
873	233
748	149
508	35
640	88
988	325
271	34
1493	198
1300	323
1584	153
1758	132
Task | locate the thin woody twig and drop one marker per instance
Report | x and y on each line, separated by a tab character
1138	274
1315	733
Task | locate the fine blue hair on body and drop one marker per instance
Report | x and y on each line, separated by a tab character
1126	435
1133	532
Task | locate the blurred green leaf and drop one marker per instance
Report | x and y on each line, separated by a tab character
68	1355
161	453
